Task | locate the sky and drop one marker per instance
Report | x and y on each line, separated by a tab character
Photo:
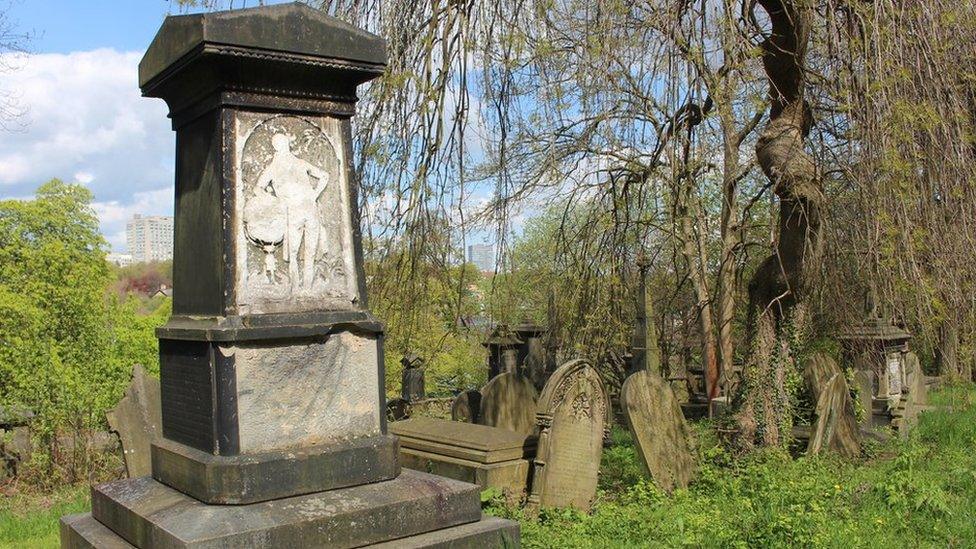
82	117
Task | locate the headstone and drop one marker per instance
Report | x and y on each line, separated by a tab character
397	409
509	402
137	420
467	407
271	384
412	387
573	414
661	434
864	381
835	427
915	380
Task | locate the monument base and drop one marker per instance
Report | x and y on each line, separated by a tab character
274	475
414	510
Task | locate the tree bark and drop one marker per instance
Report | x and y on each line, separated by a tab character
778	285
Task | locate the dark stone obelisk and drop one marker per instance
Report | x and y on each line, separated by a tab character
271	367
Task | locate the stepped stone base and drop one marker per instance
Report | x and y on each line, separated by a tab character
415	509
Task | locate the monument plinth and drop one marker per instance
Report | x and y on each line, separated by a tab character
271	367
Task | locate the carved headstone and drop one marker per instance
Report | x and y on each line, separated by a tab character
137	420
835	427
412	381
509	402
573	414
661	434
467	407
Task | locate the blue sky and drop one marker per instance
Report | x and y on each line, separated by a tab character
82	116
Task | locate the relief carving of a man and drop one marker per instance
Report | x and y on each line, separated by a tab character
298	184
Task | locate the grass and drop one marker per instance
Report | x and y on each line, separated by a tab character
30	520
918	493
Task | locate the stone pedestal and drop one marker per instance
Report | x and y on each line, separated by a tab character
271	367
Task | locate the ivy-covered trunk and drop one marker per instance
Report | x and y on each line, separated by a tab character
776	290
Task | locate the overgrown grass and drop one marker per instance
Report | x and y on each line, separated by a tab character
919	492
31	520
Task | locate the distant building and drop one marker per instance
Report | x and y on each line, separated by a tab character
122	260
150	238
483	256
163	291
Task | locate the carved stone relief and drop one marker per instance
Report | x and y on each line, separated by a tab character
294	227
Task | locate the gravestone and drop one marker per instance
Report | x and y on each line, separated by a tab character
532	352
864	381
271	366
467	407
137	420
661	434
397	409
508	402
835	427
574	410
503	351
412	382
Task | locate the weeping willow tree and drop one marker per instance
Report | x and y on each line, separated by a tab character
806	146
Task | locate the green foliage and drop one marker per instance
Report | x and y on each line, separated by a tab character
66	347
922	494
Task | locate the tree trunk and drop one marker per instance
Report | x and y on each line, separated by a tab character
778	285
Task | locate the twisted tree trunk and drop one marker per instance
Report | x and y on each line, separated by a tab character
777	288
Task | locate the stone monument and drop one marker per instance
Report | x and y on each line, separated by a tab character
412	381
503	351
835	427
661	434
271	367
136	419
532	352
574	410
509	402
466	407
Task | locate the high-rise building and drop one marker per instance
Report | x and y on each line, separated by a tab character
150	238
483	256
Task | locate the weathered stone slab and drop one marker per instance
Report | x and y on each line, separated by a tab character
303	395
138	421
488	532
510	477
835	427
509	401
467	407
661	434
84	532
478	443
574	410
147	513
252	478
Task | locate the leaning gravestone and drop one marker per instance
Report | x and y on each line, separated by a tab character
835	427
137	420
574	410
271	367
661	434
467	407
508	402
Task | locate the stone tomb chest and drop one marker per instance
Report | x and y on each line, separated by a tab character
487	456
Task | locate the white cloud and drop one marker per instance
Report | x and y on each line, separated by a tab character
86	121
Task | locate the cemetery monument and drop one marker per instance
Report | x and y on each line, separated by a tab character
271	367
